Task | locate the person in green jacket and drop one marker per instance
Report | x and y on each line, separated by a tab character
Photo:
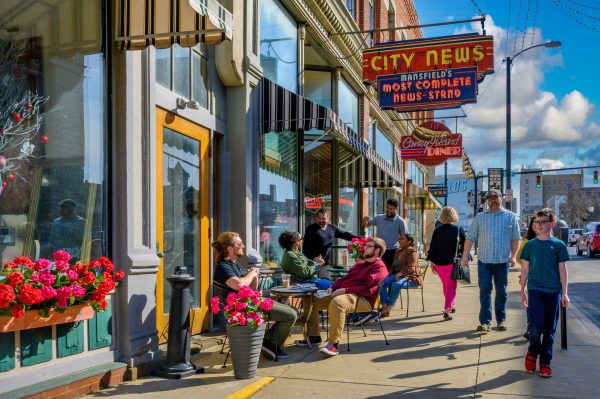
301	269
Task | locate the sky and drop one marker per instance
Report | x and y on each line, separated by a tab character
555	91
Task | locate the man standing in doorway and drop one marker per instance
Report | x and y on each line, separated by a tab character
390	226
318	237
497	232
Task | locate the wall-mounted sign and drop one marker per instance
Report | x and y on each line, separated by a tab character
431	144
434	54
495	179
438	191
314	201
449	88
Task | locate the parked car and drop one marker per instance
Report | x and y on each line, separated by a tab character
589	240
573	236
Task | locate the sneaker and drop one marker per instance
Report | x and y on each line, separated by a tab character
545	371
303	343
453	310
501	326
363	319
330	349
484	328
530	362
526	335
282	355
268	351
447	316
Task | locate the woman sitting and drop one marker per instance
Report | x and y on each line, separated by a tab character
301	269
404	273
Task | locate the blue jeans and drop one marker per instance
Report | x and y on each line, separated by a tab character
543	312
499	273
390	289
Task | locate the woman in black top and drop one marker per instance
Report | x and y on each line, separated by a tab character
447	241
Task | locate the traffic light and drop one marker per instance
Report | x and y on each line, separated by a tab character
538	181
467	168
595	177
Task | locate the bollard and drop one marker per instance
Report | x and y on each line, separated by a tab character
178	364
563	327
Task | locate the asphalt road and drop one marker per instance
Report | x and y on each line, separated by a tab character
584	285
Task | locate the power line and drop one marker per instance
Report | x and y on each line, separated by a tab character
583	5
507	28
525	24
477	7
559	5
537	3
580	13
517	28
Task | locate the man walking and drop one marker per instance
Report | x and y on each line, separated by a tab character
390	226
497	232
318	237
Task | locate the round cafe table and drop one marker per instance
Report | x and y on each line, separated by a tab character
297	292
337	272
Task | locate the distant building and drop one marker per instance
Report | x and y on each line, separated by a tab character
459	198
560	184
555	202
532	197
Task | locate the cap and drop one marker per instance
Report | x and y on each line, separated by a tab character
67	203
493	193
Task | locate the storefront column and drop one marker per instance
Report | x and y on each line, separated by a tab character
134	210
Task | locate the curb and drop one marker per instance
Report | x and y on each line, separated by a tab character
251	389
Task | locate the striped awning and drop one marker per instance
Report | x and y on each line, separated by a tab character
162	23
420	199
287	111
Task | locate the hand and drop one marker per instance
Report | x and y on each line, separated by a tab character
319	259
564	302
464	262
512	261
338	292
524	300
365	221
433	270
253	270
329	290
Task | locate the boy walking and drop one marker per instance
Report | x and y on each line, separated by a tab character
544	271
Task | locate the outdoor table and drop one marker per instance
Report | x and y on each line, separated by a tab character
298	292
338	271
266	274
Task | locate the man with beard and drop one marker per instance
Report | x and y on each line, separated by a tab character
318	237
390	226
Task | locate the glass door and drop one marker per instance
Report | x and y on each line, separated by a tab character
182	214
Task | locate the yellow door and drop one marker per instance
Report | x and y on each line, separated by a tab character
182	219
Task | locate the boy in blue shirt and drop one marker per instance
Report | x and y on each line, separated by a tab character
544	271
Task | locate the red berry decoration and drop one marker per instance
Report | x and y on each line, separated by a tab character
4	184
11	177
16	117
43	139
29	107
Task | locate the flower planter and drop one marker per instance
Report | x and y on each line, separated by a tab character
245	344
32	318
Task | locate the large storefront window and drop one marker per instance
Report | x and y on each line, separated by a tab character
348	206
415	174
384	146
278	176
278	45
318	177
52	116
317	87
348	105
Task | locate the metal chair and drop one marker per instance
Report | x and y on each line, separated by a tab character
423	266
348	316
221	291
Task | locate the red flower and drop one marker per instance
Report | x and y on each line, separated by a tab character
119	275
105	263
61	256
240	306
29	295
103	304
17	311
7	295
214	305
266	304
79	268
88	278
24	261
10	265
15	278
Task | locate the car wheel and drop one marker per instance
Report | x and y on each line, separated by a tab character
590	252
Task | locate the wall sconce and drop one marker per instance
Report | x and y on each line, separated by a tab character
182	104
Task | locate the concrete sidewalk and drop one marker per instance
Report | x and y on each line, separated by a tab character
427	358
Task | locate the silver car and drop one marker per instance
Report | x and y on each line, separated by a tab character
573	236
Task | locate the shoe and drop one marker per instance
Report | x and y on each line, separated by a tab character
330	349
282	355
501	326
530	362
383	315
526	335
303	343
484	328
545	371
453	310
363	319
268	351
447	316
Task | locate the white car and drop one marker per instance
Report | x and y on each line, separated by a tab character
573	236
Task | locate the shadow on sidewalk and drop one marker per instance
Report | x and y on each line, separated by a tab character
152	385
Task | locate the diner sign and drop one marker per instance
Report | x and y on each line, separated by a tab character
434	54
431	144
448	88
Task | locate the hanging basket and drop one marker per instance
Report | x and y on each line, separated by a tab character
32	318
245	344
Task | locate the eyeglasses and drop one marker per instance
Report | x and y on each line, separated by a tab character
370	245
541	221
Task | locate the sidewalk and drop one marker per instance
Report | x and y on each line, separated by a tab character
427	358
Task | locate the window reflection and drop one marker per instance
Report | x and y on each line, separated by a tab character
348	105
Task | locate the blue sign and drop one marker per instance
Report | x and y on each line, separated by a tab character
444	88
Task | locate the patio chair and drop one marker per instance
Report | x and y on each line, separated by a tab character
221	291
423	266
349	316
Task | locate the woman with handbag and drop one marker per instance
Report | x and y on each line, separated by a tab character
446	245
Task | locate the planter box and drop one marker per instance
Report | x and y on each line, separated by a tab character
32	318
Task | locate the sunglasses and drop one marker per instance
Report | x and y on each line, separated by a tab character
541	221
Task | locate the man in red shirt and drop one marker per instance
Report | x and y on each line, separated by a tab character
357	291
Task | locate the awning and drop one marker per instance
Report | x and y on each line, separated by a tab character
420	199
162	23
287	111
374	176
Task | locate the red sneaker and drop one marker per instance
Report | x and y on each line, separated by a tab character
545	371
530	362
330	349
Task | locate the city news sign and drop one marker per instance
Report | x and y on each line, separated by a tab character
431	144
448	88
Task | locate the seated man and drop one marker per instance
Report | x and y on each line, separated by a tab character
357	291
229	247
302	269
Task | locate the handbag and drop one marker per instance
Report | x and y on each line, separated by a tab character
459	272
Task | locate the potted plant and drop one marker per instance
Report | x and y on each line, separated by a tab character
44	292
356	248
245	313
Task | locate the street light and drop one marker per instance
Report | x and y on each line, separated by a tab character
509	61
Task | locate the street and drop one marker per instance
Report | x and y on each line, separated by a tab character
584	284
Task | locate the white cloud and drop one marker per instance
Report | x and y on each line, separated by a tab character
544	163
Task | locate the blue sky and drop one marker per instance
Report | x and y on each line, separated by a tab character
555	92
